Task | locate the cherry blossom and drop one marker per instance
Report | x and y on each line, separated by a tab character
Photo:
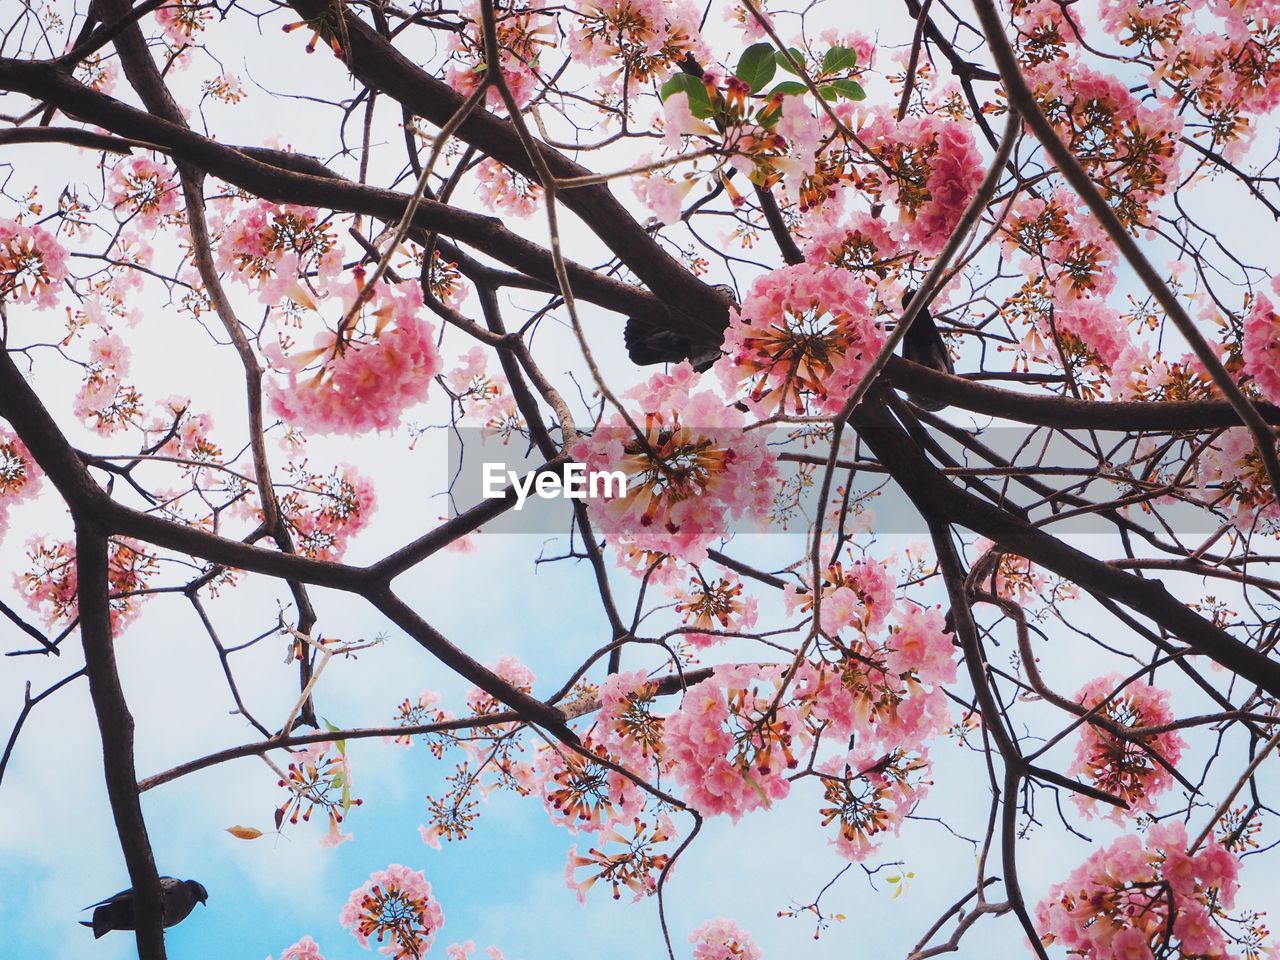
143	189
800	342
1262	344
691	471
723	940
20	475
395	905
364	371
32	264
1134	899
304	949
1125	767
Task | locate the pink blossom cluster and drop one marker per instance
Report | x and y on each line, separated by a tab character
184	433
643	38
1231	474
19	475
104	400
723	939
1262	344
1047	31
626	724
869	793
304	949
936	168
1217	57
141	189
582	795
509	669
1058	238
883	681
1130	148
275	244
1125	767
364	371
485	399
858	598
523	29
714	604
855	241
801	341
181	20
727	749
1136	901
32	264
394	908
49	585
1015	577
1101	329
324	511
1066	255
504	190
692	468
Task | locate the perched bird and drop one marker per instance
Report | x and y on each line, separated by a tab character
116	913
924	345
648	343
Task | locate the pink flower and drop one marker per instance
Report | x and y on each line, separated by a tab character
694	469
1122	903
801	341
681	122
304	949
644	39
181	20
869	792
522	32
32	264
935	168
276	243
144	189
363	374
727	750
19	475
396	906
1122	767
921	646
504	190
664	196
1262	344
723	939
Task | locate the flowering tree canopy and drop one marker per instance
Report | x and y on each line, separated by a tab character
935	352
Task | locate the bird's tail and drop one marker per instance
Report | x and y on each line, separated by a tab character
99	927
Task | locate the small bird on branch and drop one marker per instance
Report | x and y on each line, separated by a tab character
924	345
179	898
647	343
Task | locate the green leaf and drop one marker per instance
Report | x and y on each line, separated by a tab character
756	66
839	59
849	89
829	93
785	64
789	88
699	101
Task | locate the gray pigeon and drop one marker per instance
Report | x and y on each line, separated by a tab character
923	344
116	913
648	343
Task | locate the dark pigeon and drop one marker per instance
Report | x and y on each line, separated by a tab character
649	343
924	345
116	913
